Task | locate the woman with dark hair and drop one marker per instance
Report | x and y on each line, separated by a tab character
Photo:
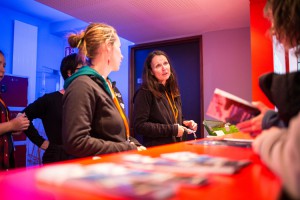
157	104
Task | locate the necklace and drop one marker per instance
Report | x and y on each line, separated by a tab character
172	105
117	104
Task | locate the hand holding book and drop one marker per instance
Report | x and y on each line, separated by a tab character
254	125
227	107
232	110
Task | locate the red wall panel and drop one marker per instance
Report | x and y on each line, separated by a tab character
261	48
14	90
20	155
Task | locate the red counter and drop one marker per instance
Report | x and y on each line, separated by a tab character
254	181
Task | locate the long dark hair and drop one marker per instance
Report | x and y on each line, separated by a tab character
286	21
151	83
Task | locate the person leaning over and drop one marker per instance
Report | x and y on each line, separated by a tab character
281	89
279	147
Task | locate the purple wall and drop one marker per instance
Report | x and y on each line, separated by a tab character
227	63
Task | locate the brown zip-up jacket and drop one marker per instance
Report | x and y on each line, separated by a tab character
92	125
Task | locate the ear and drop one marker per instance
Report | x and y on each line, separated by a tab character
108	46
69	73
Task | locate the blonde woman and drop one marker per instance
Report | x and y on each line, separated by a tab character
94	120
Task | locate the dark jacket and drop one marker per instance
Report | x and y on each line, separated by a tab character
283	90
153	118
48	108
92	124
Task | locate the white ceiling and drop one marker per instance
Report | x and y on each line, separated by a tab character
35	9
143	21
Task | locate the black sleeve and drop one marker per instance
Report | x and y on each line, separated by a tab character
271	118
33	111
143	125
283	91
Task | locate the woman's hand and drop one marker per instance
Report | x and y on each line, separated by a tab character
254	125
20	123
180	130
45	145
139	148
191	125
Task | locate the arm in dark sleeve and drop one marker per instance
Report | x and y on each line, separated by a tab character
33	111
271	118
142	122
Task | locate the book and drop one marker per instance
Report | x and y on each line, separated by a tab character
229	108
243	143
115	180
187	163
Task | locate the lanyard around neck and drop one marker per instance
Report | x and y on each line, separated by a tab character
172	105
117	104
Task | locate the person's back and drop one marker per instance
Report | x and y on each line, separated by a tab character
48	108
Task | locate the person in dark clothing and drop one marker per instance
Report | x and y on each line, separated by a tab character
94	120
281	89
157	114
278	147
8	127
49	109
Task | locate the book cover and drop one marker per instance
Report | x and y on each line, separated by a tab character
243	143
114	180
227	107
176	162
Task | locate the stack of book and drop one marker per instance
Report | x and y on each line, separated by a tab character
137	176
